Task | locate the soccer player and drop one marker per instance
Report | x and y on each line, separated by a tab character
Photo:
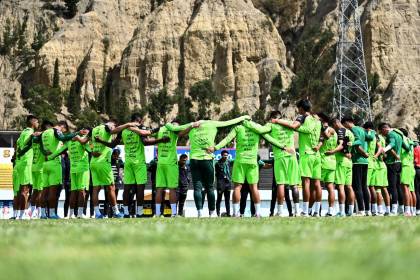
328	142
183	183
359	157
408	173
286	171
202	136
372	148
224	181
23	164
309	128
343	171
245	166
52	143
392	153
379	177
417	178
167	172
100	162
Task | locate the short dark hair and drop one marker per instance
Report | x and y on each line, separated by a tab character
29	118
116	151
275	114
382	125
368	125
183	156
404	131
347	119
323	117
224	152
46	123
136	116
305	104
63	123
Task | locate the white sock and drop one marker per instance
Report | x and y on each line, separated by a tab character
342	208
351	209
257	209
71	212
115	209
18	213
407	209
173	209
199	212
140	210
125	209
38	211
52	212
413	211
400	209
280	209
43	212
96	209
330	210
310	210
374	208
394	208
297	208
33	209
235	207
380	209
211	213
305	206
157	209
388	209
317	207
80	211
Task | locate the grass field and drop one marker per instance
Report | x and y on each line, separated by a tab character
297	248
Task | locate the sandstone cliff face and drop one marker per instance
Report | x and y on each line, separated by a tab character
183	42
392	31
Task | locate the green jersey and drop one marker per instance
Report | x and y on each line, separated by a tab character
247	142
328	162
134	147
167	151
51	144
39	158
407	153
22	141
359	140
103	132
203	137
371	147
394	140
346	136
309	134
79	157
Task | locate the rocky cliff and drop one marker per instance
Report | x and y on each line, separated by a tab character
135	48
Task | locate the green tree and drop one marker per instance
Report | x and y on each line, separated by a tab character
7	44
56	75
276	91
160	105
74	101
123	110
9	105
184	106
204	95
88	118
43	101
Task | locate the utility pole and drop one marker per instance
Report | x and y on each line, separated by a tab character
351	90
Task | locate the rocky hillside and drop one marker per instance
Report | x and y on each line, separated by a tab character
208	57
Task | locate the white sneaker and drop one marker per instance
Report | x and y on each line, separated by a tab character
72	216
84	217
418	212
199	213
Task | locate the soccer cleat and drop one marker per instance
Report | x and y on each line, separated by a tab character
55	217
99	216
304	214
368	213
72	216
12	218
118	216
315	214
84	217
387	214
328	215
127	217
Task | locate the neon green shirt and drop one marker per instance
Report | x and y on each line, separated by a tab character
309	133
39	158
79	157
328	162
203	137
167	151
371	147
23	139
134	147
407	156
106	152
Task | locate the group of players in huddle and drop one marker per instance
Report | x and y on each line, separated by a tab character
369	168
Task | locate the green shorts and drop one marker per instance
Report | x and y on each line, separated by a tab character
245	172
343	175
15	178
80	180
37	180
286	171
328	176
408	173
101	174
310	166
52	173
167	176
135	174
24	173
380	178
370	177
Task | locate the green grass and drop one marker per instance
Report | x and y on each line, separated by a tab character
296	248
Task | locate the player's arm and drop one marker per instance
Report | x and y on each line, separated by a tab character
120	128
379	148
154	141
391	144
277	143
224	142
290	124
257	128
111	144
180	128
228	123
357	144
58	152
406	145
81	140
